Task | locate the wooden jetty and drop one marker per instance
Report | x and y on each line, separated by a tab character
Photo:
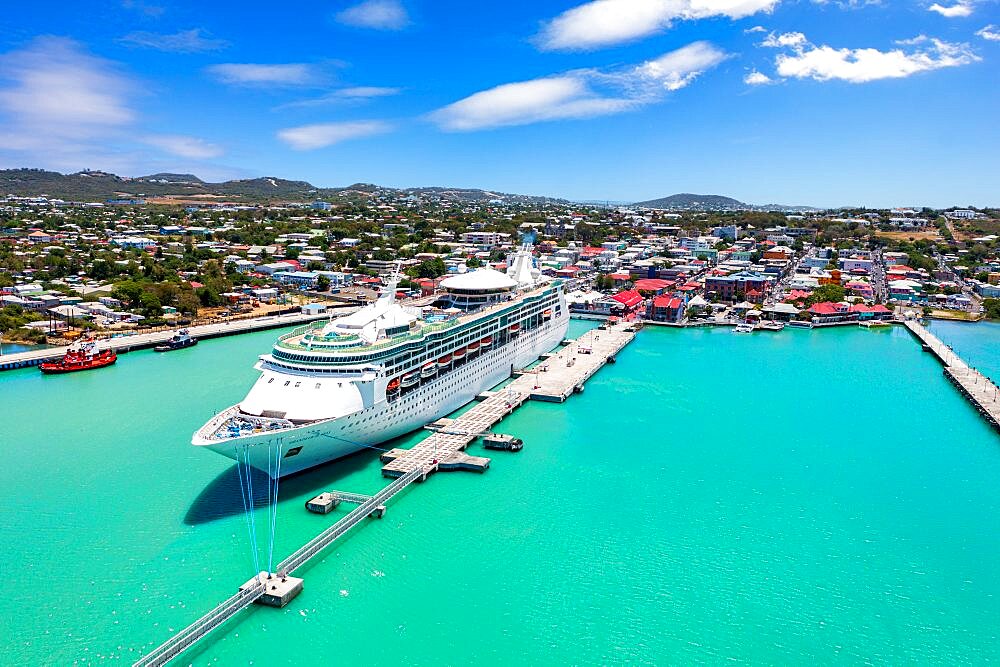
976	387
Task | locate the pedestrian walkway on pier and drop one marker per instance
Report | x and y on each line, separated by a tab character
257	588
976	387
145	340
554	379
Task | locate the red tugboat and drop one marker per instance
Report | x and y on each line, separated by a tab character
80	358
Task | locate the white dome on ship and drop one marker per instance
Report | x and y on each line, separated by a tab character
480	279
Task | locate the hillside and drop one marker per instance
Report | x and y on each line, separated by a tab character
692	202
101	186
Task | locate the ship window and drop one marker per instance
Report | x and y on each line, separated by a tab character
270	381
297	384
317	385
292	452
287	382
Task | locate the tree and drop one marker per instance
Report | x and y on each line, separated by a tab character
823	293
323	283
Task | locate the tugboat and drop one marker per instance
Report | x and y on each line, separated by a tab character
81	358
178	341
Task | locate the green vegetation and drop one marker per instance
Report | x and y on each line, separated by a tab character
823	293
992	307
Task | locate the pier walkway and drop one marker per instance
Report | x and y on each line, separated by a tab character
976	387
255	588
141	341
555	379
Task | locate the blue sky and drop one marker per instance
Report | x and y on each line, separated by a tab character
826	103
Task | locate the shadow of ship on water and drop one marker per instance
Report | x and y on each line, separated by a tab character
221	498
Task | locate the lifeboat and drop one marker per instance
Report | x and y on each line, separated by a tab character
430	369
410	379
547	314
393	385
515	328
472	347
459	353
444	361
486	342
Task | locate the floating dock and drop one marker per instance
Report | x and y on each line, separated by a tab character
976	387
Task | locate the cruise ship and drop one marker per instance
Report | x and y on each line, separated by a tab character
335	387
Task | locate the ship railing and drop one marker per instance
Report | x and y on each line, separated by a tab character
216	422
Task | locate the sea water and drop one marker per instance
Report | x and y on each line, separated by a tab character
799	497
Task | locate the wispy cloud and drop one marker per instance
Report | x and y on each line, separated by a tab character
321	135
826	63
376	14
145	8
777	41
602	23
184	146
251	74
64	108
990	32
344	95
580	93
958	10
195	40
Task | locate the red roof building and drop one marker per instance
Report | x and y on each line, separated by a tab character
629	298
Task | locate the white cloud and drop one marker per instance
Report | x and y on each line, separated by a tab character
189	147
376	14
368	91
57	86
756	28
579	94
825	63
913	41
958	10
990	32
195	40
755	78
250	74
321	135
792	39
601	23
678	68
354	94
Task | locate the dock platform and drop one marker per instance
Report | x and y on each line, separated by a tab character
976	387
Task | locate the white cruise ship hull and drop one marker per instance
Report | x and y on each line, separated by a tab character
331	439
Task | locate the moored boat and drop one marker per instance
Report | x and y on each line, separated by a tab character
178	341
83	357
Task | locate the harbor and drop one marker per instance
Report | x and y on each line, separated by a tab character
562	373
140	341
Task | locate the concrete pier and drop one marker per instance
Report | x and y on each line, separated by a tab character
123	344
278	590
976	387
555	379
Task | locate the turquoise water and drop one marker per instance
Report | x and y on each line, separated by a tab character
11	348
977	343
781	498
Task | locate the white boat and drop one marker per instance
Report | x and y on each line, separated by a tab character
744	328
324	389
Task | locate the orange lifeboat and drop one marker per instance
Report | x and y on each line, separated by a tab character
394	385
459	353
486	342
444	361
472	347
515	328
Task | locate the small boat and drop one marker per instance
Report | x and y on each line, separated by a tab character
472	347
547	314
430	369
459	353
486	342
868	324
515	328
178	341
82	358
393	385
410	379
744	328
444	361
800	324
